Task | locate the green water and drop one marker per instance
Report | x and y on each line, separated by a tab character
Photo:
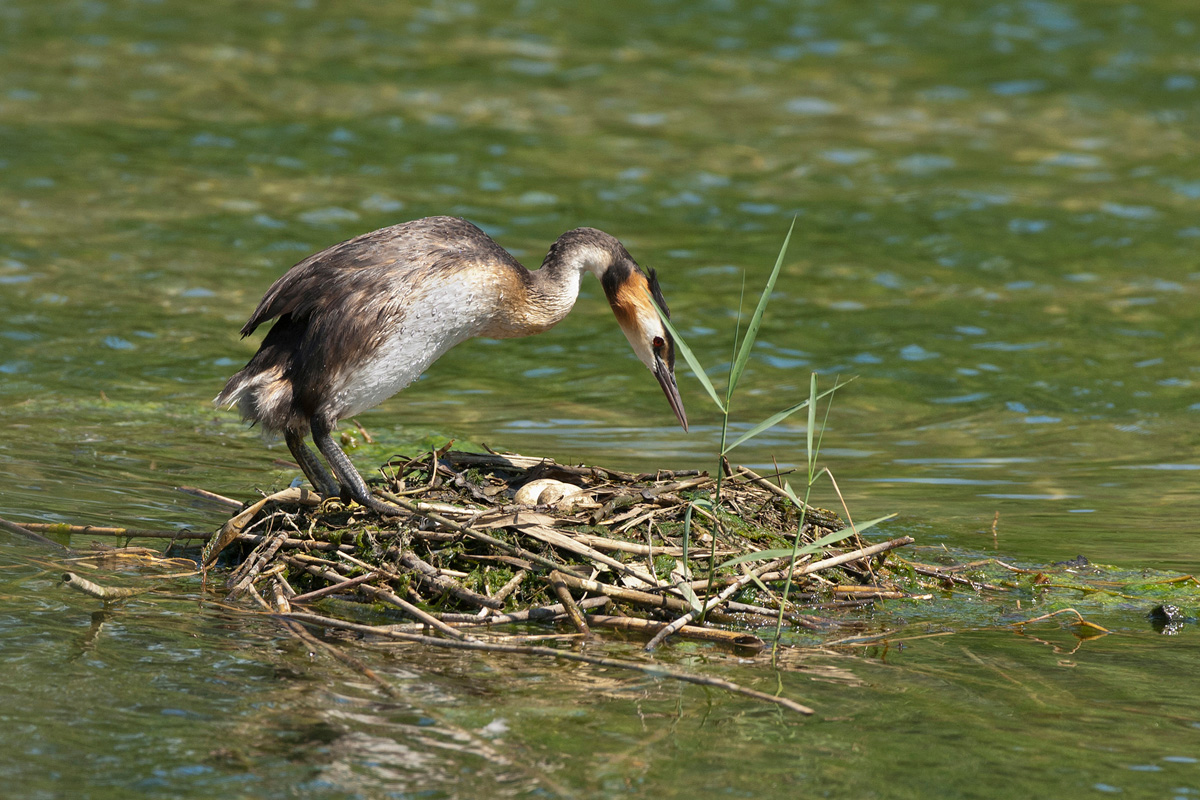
996	232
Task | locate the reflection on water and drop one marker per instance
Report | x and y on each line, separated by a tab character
996	232
165	696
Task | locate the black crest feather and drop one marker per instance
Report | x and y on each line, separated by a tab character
656	291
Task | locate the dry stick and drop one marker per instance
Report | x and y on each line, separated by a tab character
237	523
814	514
13	527
248	572
564	596
639	598
636	518
368	438
204	494
604	543
382	594
845	558
280	578
510	587
712	603
834	561
747	640
447	508
292	543
535	614
279	597
428	574
550	536
628	595
106	593
873	592
650	669
678	486
473	534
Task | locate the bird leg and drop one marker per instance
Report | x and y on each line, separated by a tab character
317	475
347	475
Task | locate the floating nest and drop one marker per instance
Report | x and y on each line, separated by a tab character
512	554
486	541
508	553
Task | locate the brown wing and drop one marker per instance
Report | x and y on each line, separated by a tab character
344	279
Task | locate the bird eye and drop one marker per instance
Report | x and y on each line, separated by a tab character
658	343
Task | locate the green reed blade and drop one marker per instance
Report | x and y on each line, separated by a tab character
832	538
778	417
812	423
743	355
691	359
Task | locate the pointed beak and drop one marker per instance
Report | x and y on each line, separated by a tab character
666	379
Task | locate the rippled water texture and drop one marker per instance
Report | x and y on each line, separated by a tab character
997	230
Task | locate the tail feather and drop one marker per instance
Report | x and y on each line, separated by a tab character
261	397
263	390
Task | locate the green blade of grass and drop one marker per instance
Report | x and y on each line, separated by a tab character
786	552
691	359
743	355
812	423
775	419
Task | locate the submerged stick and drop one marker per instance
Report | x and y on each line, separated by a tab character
106	593
1078	616
652	670
13	527
734	638
119	533
564	595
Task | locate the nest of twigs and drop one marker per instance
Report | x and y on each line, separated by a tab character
487	541
489	552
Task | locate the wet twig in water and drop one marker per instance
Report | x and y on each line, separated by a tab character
650	669
105	593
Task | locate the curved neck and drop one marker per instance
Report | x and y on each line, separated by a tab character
549	293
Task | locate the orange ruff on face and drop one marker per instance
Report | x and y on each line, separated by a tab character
632	304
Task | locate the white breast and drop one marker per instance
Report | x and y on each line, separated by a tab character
428	323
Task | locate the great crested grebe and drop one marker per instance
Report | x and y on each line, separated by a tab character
361	320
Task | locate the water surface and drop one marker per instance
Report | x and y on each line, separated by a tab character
996	233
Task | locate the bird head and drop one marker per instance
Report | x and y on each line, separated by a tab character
633	295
